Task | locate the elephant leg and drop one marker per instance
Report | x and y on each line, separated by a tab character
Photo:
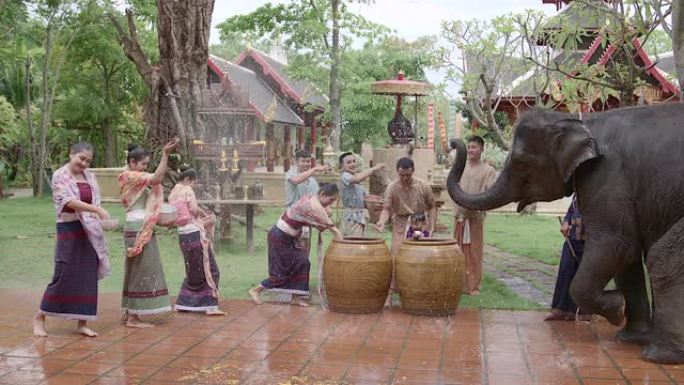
595	271
632	283
665	263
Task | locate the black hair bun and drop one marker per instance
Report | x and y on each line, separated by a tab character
132	146
184	167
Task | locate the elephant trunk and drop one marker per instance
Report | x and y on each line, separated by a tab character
496	196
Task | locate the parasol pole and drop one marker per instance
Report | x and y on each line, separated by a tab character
415	118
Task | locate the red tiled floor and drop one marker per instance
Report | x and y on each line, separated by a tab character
598	372
273	344
364	373
132	371
92	368
145	359
193	362
70	379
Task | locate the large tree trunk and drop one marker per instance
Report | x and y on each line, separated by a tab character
678	40
110	143
50	81
45	111
33	144
176	82
334	77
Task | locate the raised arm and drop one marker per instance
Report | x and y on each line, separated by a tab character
302	177
365	174
158	175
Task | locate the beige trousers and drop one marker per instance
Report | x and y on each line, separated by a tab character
472	244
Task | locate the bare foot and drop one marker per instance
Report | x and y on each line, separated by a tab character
474	292
86	331
298	301
215	312
134	321
39	325
255	294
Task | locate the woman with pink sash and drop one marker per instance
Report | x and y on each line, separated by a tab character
288	261
199	292
144	288
81	256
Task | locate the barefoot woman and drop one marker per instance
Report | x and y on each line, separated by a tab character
288	263
144	289
199	292
81	252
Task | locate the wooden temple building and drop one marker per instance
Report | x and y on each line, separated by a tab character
519	91
284	111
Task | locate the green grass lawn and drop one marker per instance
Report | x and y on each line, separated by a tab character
535	236
27	244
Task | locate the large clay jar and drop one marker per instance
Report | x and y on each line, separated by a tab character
429	275
357	274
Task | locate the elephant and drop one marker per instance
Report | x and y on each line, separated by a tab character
626	167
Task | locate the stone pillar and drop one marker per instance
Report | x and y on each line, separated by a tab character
225	223
287	153
314	141
300	138
270	148
250	136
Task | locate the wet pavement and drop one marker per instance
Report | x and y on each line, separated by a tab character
280	344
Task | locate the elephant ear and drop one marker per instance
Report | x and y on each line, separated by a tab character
573	146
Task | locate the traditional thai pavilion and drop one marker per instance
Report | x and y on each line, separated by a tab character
300	95
521	93
286	109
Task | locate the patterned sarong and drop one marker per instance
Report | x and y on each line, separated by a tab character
288	265
72	293
144	287
196	294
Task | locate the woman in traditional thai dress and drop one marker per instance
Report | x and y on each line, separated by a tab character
288	262
144	287
81	256
199	292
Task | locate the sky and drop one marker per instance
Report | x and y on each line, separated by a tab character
408	18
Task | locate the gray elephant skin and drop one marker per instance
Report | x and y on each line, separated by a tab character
626	167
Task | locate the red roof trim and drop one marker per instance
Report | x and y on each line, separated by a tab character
607	55
257	112
268	70
215	68
653	70
221	75
592	49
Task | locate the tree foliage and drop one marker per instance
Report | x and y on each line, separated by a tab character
484	57
75	84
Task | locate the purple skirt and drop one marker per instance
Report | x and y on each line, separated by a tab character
288	265
72	293
195	293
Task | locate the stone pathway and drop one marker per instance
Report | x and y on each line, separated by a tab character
526	276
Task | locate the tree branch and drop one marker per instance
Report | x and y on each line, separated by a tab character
576	77
322	20
133	49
